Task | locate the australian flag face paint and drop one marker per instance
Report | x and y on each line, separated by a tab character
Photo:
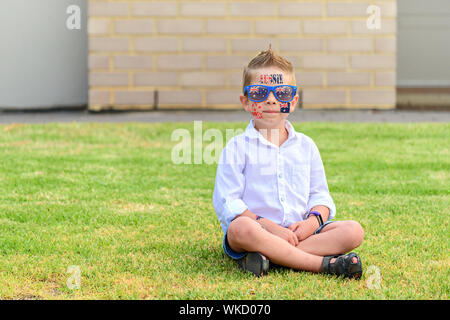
285	107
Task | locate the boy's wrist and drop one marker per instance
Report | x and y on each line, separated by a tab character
313	223
268	224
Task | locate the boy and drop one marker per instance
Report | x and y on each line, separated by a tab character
271	195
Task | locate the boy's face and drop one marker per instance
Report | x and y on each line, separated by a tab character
270	111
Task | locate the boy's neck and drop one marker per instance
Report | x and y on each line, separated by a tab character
276	134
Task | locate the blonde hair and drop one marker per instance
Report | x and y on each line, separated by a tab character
265	59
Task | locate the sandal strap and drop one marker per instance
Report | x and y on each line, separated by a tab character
332	268
353	269
343	265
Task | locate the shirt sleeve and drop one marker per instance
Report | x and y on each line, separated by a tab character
318	192
229	185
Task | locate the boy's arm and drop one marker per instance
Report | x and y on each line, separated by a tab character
306	228
272	227
319	199
319	195
229	184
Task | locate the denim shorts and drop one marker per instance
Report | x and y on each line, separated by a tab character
238	255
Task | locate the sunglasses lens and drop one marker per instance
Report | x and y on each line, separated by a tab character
257	93
284	93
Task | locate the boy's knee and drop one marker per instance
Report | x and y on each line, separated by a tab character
356	232
241	229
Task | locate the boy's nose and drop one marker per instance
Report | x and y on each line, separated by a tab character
271	99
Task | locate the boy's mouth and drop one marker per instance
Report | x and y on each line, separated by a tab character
271	111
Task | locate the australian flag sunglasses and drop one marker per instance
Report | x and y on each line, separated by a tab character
259	92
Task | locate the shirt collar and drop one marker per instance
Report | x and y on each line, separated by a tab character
251	132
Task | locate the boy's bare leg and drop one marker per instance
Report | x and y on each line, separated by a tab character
245	234
335	238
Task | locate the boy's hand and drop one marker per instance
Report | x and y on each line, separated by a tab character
272	227
302	229
283	233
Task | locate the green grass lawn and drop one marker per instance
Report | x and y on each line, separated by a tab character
108	199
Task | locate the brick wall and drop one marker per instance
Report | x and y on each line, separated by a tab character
192	52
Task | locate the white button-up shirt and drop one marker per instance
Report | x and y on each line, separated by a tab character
278	183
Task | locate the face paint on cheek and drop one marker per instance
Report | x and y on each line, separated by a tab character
255	112
285	107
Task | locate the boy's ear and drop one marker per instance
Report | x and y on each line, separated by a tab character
294	103
244	102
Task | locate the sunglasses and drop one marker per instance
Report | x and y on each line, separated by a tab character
259	92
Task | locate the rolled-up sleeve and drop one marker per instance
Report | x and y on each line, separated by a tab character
318	192
229	185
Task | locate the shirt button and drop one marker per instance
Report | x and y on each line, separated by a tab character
280	175
282	199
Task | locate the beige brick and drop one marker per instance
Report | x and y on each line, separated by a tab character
108	44
314	96
387	78
195	51
349	44
351	9
324	62
108	79
277	26
98	62
203	9
386	27
156	44
348	78
156	79
99	97
203	79
180	97
253	45
299	44
373	97
388	9
134	97
292	9
134	26
204	44
385	45
180	62
252	9
133	62
293	59
235	79
309	79
223	97
227	62
228	26
98	26
102	8
373	61
183	26
324	27
154	9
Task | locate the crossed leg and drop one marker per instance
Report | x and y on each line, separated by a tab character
245	234
338	237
